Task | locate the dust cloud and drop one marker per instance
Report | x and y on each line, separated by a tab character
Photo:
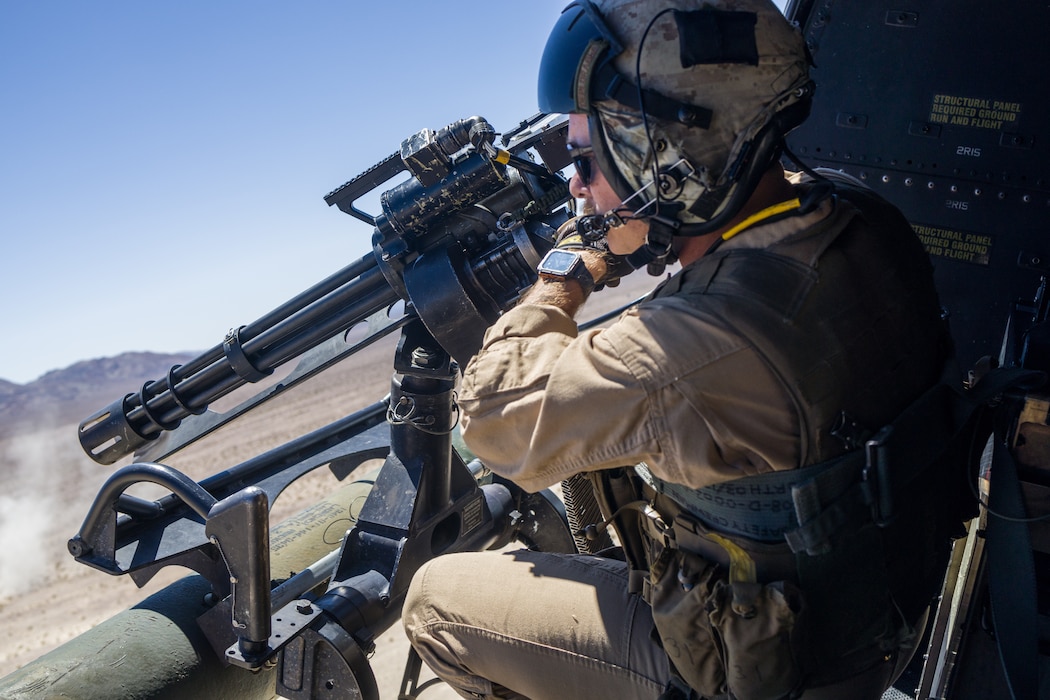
48	487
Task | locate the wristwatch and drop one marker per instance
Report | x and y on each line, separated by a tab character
560	264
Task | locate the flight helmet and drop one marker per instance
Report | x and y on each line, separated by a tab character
688	100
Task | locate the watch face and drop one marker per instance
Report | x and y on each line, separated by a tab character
559	262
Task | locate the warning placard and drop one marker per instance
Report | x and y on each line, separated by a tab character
978	113
955	245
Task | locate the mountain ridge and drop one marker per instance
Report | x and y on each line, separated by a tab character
70	394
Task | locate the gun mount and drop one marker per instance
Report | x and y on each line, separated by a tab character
457	242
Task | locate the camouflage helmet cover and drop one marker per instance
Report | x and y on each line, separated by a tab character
681	87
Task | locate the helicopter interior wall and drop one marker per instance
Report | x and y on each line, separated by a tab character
941	107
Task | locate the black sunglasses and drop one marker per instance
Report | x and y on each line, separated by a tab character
583	161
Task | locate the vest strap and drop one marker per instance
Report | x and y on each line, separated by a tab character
807	507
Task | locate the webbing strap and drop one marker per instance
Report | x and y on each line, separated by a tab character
846	513
762	507
1011	576
806	506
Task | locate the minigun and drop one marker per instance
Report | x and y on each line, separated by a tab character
457	242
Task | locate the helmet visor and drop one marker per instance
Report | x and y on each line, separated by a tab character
577	45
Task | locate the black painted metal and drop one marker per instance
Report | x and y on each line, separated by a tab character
940	107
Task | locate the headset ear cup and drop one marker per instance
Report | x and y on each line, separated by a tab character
763	150
727	199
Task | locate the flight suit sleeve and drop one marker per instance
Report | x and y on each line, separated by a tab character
541	401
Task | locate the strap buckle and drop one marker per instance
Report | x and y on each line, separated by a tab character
876	482
660	525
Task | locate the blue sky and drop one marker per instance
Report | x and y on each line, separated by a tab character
163	165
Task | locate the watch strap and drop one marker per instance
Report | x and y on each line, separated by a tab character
578	271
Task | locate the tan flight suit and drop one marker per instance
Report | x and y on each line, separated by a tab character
667	385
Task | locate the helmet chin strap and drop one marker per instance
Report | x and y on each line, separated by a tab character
656	252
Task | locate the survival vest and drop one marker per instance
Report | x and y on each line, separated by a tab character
846	315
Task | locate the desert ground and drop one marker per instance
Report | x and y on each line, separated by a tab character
47	598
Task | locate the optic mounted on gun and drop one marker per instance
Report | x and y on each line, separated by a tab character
430	157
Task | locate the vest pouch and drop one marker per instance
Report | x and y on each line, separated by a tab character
757	625
681	596
721	636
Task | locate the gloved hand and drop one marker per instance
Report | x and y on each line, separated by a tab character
570	236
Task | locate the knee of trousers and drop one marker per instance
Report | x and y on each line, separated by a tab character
416	610
432	592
